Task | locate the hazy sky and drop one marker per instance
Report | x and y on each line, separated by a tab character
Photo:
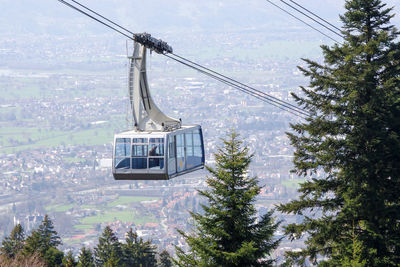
179	22
25	16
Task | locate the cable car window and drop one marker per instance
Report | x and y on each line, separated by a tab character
140	140
197	152
123	140
197	148
122	163
171	150
156	150
122	150
122	153
189	144
156	163
189	150
139	154
196	138
180	146
180	153
139	150
179	140
139	163
157	140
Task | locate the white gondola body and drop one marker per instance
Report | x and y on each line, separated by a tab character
157	155
158	147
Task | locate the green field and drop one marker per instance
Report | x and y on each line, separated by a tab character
59	208
108	213
124	200
87	207
293	183
73	160
16	139
30	87
112	216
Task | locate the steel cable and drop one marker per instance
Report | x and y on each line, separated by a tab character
309	25
283	105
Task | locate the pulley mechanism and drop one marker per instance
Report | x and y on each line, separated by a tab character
154	44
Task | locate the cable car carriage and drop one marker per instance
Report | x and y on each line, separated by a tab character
158	147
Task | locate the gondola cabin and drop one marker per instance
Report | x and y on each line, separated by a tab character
158	147
157	155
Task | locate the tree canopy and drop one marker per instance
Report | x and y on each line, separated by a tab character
108	247
13	244
228	234
351	216
137	252
85	258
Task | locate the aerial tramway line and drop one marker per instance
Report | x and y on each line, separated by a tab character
159	147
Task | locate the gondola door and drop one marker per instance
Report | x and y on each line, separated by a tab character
180	152
171	155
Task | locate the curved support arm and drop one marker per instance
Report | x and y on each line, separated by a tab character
147	116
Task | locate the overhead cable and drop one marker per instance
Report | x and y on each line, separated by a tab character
243	89
299	19
327	22
323	25
272	98
94	12
283	105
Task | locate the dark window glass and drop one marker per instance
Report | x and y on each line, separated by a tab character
157	140
122	163
196	138
189	144
195	153
156	150
156	163
198	152
139	150
140	140
139	163
123	140
171	149
122	150
180	152
189	151
179	140
189	139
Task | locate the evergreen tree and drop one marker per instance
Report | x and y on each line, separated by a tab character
85	258
130	249
69	260
43	238
53	257
228	234
352	214
113	260
138	252
13	244
108	246
165	259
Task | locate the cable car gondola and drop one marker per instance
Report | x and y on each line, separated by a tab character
158	147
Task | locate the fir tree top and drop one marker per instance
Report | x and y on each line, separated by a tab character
227	233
